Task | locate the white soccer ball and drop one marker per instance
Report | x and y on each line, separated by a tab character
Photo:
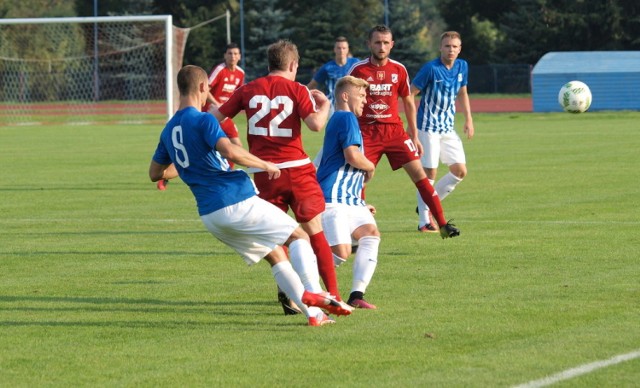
575	97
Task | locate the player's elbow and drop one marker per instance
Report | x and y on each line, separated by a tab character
154	176
156	172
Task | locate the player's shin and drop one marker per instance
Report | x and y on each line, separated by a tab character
430	197
305	264
446	185
325	263
289	282
365	262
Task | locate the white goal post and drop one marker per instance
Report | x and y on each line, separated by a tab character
110	68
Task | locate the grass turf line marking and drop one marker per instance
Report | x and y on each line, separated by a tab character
580	370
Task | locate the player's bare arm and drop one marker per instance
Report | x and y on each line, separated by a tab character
355	158
463	97
316	121
159	171
213	109
312	84
243	157
412	127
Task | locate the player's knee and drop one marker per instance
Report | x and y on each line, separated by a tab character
297	234
459	170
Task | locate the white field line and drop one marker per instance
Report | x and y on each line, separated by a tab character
580	370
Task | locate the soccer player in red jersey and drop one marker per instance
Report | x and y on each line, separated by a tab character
382	128
275	105
224	79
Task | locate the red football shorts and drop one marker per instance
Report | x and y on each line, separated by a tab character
390	140
296	188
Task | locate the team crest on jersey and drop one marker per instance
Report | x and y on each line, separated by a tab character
394	78
380	75
459	77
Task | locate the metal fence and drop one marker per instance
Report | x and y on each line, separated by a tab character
500	78
506	79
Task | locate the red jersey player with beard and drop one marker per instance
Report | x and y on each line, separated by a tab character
382	128
275	105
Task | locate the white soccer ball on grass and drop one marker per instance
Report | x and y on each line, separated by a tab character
575	97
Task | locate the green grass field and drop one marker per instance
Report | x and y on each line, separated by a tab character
105	281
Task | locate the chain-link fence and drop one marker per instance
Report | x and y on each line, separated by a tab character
500	78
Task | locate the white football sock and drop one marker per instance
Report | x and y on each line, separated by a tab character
305	264
446	185
289	282
365	262
423	209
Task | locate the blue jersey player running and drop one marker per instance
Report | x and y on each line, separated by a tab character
342	173
193	142
441	82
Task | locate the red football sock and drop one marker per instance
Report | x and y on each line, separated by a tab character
326	267
429	196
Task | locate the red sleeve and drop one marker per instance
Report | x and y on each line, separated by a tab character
306	103
404	86
234	104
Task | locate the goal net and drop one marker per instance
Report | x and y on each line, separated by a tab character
113	69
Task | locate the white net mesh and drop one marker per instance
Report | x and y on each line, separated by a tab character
84	71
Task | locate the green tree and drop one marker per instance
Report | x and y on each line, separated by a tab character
36	9
114	7
206	43
478	23
535	27
410	35
265	23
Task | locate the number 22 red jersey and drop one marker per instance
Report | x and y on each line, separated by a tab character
275	107
386	84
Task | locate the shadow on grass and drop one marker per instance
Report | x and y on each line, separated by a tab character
93	186
196	313
38	254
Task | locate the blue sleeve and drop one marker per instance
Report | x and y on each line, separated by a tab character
422	78
161	156
321	75
465	73
351	135
212	130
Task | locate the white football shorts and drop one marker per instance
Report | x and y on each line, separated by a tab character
446	148
253	227
340	220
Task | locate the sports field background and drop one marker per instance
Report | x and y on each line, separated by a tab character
105	281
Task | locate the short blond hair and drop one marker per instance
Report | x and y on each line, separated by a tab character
450	35
281	53
347	81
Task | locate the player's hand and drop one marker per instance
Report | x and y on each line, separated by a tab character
469	130
368	175
319	96
272	170
372	209
419	147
